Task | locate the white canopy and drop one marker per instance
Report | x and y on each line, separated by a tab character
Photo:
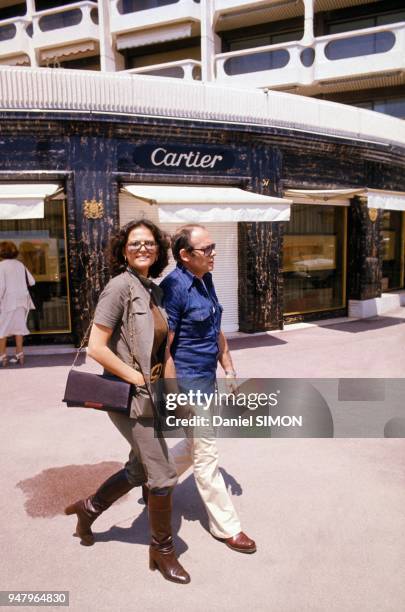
387	200
206	204
334	197
24	200
376	198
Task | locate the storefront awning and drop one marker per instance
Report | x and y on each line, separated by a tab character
203	204
336	197
386	200
25	200
376	198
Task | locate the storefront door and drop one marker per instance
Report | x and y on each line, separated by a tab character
42	248
393	250
314	259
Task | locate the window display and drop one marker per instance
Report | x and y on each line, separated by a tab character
392	250
314	258
42	248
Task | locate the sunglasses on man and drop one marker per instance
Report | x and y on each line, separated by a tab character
207	251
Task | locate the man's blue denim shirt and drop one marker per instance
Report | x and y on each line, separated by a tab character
194	315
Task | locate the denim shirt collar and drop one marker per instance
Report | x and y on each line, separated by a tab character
189	278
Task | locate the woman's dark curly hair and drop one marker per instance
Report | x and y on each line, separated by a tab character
118	243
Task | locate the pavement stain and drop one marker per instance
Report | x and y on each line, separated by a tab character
50	491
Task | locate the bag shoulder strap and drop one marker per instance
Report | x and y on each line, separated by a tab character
26	278
79	350
135	361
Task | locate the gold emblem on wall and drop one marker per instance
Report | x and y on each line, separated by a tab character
373	214
93	209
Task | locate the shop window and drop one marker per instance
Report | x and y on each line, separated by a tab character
314	259
42	248
392	250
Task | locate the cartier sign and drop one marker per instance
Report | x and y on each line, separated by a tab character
191	159
166	157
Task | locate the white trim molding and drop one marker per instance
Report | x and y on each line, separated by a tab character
79	90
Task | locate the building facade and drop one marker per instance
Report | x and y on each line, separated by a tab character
304	197
349	51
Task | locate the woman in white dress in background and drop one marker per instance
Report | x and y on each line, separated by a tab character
15	301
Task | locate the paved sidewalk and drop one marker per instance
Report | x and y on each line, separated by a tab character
327	514
369	348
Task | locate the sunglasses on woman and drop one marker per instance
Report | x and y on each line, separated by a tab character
134	247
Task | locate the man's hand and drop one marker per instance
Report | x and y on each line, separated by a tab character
230	382
225	360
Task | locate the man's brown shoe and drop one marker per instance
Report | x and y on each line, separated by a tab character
241	543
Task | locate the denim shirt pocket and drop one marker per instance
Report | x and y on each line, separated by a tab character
200	319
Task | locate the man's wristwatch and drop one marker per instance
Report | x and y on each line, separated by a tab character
230	374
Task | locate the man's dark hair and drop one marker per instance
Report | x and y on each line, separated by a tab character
181	239
118	243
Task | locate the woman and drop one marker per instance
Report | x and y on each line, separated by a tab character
15	301
130	323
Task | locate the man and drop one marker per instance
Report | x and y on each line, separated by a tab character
196	344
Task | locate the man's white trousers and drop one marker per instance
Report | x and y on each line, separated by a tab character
202	453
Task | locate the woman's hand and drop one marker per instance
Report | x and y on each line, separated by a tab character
99	350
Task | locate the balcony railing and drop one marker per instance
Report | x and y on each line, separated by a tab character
360	52
269	66
189	70
133	15
15	37
65	25
337	56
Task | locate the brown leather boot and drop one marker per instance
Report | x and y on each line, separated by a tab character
89	509
145	494
162	555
